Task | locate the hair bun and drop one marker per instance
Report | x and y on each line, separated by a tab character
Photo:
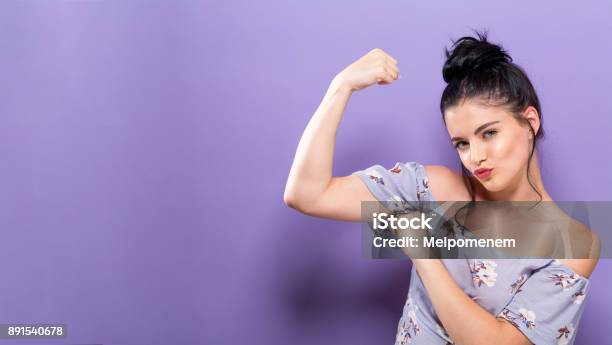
469	54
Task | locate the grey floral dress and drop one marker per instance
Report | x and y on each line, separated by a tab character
543	298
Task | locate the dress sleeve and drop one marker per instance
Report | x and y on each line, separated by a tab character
404	183
547	306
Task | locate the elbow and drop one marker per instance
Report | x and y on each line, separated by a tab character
296	202
289	199
507	334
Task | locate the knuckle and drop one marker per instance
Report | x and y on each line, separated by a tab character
377	52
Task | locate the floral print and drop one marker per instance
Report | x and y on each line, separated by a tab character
483	272
563	280
375	176
506	315
408	326
516	286
525	316
396	169
528	317
578	297
422	189
543	299
565	334
568	304
398	204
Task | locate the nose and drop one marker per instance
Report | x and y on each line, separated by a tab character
477	153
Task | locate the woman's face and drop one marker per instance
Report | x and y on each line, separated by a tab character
489	137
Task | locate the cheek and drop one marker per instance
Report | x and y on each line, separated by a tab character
465	157
511	150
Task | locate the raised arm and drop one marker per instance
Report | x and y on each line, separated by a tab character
311	188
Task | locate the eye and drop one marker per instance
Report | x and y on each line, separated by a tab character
492	132
460	145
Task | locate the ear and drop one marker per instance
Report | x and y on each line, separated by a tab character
531	115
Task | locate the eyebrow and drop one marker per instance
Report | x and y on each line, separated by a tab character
478	129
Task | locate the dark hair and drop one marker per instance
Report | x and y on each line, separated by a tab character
478	69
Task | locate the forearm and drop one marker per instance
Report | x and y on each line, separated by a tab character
311	171
464	320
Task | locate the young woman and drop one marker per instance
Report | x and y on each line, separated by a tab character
493	118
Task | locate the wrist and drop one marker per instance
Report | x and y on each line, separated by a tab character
339	85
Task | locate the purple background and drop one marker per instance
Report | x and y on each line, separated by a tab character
145	147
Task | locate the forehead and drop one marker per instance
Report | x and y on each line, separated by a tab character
468	115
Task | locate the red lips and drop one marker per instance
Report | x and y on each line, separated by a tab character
483	173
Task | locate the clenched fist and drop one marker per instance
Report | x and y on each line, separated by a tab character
374	67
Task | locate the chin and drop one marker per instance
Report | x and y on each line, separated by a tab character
492	186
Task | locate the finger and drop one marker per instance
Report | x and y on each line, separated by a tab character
384	79
391	58
390	77
387	78
392	64
394	70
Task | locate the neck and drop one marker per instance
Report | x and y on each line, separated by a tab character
521	190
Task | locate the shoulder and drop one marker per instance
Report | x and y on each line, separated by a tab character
446	184
583	267
581	234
